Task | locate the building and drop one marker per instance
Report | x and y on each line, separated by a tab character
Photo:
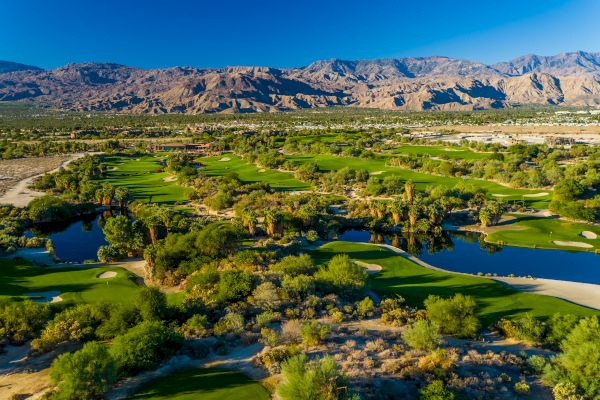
184	147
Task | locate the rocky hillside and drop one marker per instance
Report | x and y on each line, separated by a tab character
429	83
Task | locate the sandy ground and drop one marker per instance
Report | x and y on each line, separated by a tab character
371	268
12	171
585	294
572	244
541	194
19	194
107	275
589	235
225	159
499	195
171	178
377	173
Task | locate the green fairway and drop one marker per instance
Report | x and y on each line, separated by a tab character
414	282
421	180
204	384
537	232
77	284
438	151
140	175
250	173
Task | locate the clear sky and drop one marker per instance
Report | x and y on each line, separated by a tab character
288	33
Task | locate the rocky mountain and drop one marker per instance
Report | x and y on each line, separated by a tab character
425	83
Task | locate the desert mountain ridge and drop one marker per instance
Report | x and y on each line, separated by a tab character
410	83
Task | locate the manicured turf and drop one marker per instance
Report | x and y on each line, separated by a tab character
140	176
203	384
454	152
421	180
250	173
537	232
414	283
75	284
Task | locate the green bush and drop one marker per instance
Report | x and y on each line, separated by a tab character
342	275
454	316
435	391
84	374
23	320
422	335
314	332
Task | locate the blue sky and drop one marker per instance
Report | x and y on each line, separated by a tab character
287	33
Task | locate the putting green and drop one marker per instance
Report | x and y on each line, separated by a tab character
77	284
414	282
140	176
539	232
421	180
205	384
250	173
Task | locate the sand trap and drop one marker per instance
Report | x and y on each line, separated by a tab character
573	244
377	173
262	170
371	268
541	194
499	195
112	168
171	178
52	296
589	235
225	159
449	149
107	275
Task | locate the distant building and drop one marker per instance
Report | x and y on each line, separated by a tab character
559	141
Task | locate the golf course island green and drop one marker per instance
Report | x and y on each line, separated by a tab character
400	276
204	384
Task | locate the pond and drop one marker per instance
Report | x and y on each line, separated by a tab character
74	241
467	252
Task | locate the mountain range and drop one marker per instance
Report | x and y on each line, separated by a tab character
412	83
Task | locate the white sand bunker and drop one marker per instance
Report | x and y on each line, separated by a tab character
171	178
589	235
51	296
262	170
450	149
113	168
499	195
371	268
572	244
225	159
107	275
541	194
377	173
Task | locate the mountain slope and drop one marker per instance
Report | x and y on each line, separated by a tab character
425	83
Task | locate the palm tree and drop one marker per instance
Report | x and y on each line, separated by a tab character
272	222
249	221
122	197
409	191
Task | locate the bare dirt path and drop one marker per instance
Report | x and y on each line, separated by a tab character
19	195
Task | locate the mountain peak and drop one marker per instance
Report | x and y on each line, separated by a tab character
9	66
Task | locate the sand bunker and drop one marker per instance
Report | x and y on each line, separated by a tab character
107	275
499	195
589	235
171	178
262	170
52	296
449	149
225	159
573	244
541	194
377	173
371	268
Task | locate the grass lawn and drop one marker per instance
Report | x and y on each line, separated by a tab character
204	384
421	180
140	176
75	284
250	173
414	283
454	152
526	231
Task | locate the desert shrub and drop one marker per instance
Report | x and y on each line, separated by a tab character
536	363
559	326
144	346
295	265
565	391
422	335
435	391
269	337
365	308
196	326
110	253
84	374
272	358
265	296
392	312
341	275
438	362
298	286
232	322
291	331
23	320
266	317
522	388
151	303
529	328
121	319
319	379
507	328
314	332
454	316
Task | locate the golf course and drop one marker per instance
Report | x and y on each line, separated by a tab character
415	283
205	384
